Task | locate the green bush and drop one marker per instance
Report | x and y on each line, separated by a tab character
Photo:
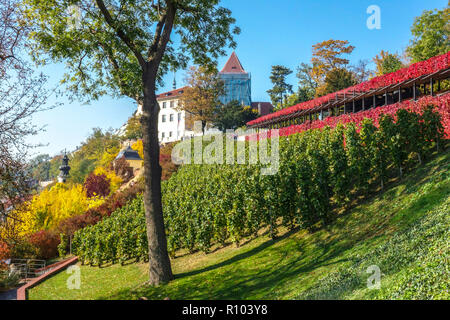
8	280
118	238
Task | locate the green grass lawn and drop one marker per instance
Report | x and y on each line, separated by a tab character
403	231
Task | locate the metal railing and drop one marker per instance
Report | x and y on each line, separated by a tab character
28	268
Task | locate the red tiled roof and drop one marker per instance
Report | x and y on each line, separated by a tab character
171	94
233	65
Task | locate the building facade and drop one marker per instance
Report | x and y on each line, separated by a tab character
238	82
172	124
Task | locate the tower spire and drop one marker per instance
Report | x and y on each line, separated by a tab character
64	168
174	85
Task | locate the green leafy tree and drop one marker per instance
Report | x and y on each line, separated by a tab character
430	35
387	62
202	95
233	115
280	88
40	167
337	79
306	84
124	50
99	149
133	129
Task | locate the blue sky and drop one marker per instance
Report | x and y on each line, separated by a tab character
273	32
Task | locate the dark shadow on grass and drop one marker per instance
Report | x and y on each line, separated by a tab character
237	257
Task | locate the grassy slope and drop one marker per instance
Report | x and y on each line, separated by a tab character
404	231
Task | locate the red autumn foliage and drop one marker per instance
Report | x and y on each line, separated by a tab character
165	160
415	70
46	242
70	225
4	253
442	103
97	185
122	169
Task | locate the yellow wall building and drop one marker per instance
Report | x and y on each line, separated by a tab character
132	158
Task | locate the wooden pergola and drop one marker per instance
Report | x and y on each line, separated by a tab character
357	101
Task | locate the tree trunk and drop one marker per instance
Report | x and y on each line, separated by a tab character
159	262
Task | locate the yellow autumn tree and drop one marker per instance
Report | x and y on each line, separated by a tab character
139	147
47	209
201	97
328	56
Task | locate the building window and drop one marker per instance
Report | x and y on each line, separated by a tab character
170	134
164	105
163	118
172	104
179	116
171	118
163	135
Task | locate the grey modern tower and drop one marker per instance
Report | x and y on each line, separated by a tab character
238	82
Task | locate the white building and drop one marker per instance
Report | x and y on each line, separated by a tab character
172	124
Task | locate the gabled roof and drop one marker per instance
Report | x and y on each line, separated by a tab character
171	94
129	154
233	65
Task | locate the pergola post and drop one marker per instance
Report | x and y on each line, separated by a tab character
431	87
374	101
414	92
363	104
386	98
344	102
400	94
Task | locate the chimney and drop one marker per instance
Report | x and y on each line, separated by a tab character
259	108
